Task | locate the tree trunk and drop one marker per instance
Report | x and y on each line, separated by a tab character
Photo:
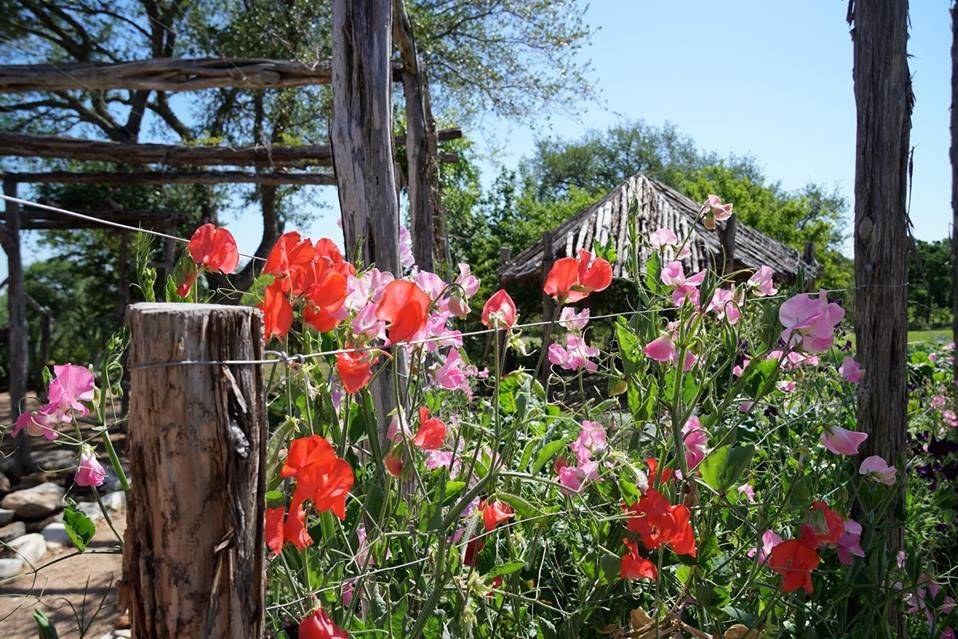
363	147
954	180
193	559
421	146
883	99
19	347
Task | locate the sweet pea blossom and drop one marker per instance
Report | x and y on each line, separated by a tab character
725	304
748	491
454	373
89	472
574	321
575	354
878	469
662	350
684	288
769	540
666	238
696	441
406	257
949	417
810	321
71	386
939	401
591	439
852	370
761	282
499	310
786	385
841	441
714	210
849	544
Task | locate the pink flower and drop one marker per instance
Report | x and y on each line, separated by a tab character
932	357
90	472
591	439
713	210
71	385
950	418
574	321
725	305
939	401
430	283
36	423
466	280
453	374
810	321
761	282
406	257
574	355
878	469
769	541
661	349
572	478
745	406
849	544
365	323
696	441
684	288
852	370
748	491
842	442
786	386
663	237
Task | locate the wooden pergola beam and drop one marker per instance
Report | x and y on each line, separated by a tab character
52	146
173	177
40	219
167	74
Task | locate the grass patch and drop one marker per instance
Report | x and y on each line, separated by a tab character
941	335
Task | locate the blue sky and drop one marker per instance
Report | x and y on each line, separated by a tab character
769	79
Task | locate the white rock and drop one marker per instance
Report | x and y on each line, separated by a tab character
30	548
9	567
122	632
6	516
56	536
35	503
91	510
115	500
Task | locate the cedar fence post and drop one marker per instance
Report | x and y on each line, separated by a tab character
726	235
953	153
193	557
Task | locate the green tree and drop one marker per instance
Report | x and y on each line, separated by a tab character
929	284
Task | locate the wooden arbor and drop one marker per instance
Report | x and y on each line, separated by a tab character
271	164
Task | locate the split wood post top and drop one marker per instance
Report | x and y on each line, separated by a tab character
193	558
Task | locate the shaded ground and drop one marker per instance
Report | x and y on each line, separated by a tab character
67	588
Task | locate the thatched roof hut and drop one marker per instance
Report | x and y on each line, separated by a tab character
655	206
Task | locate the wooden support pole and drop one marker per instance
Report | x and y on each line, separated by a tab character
726	234
193	557
18	348
808	257
548	305
363	147
161	178
883	100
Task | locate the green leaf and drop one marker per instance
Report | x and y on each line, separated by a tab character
506	569
79	527
549	451
722	468
522	507
653	269
45	629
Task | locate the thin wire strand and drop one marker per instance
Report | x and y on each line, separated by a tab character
282	356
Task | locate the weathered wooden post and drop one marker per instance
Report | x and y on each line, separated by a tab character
548	305
193	557
953	153
726	233
19	346
883	100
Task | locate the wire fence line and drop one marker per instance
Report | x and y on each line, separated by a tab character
286	358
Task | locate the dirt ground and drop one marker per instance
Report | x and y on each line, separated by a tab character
68	591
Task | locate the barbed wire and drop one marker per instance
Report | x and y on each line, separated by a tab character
287	358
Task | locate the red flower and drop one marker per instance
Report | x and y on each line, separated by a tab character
289	255
473	548
499	310
634	566
184	289
319	626
294	530
274	529
321	476
494	513
653	469
571	280
355	370
794	560
658	522
827	525
305	452
405	306
431	433
277	311
393	462
214	249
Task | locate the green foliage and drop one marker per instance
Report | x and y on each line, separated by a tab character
929	285
79	527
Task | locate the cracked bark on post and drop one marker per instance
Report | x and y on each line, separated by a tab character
953	153
193	557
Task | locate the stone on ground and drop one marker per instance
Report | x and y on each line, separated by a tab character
30	548
6	516
12	531
10	567
56	536
35	503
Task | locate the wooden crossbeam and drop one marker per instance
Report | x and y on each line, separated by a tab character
173	177
167	74
41	219
51	146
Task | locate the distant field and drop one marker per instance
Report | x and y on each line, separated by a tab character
936	335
